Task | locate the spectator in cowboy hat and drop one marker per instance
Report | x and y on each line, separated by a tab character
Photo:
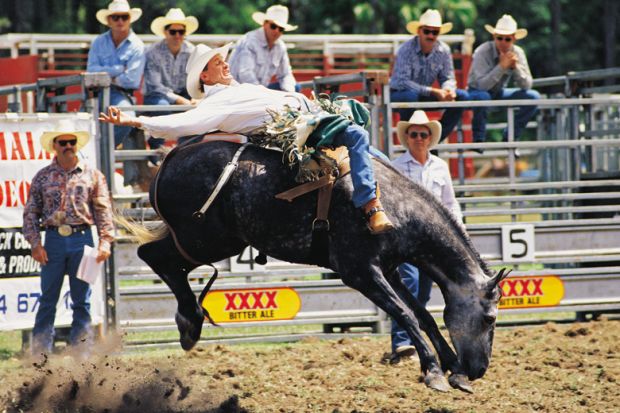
119	53
66	198
261	54
494	64
419	135
164	74
231	107
420	62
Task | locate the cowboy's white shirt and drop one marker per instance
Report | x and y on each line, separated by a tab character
238	108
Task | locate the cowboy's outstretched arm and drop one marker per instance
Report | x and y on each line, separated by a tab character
117	117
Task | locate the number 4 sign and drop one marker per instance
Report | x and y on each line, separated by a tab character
518	243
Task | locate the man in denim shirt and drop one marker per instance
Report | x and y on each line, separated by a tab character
261	54
120	53
164	74
419	62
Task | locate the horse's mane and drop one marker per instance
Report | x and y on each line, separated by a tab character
447	215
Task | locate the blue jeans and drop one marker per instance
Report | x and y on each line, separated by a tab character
420	286
356	139
522	116
64	256
276	86
450	116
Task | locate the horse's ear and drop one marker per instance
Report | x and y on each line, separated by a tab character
501	275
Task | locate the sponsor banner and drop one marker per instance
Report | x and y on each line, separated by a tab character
19	302
253	304
22	156
15	258
527	292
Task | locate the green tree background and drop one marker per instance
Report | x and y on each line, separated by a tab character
564	35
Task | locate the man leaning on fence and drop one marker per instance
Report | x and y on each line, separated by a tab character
120	53
420	62
261	54
164	74
494	63
65	199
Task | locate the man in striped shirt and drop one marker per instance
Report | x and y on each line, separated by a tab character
419	63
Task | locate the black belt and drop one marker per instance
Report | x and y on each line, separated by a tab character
74	228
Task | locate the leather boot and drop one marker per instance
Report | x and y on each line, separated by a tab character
378	222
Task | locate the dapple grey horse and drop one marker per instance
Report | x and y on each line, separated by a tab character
245	212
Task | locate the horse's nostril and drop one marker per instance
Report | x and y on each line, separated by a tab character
481	372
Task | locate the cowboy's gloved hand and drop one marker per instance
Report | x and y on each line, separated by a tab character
359	113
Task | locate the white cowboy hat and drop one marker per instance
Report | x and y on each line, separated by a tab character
430	18
199	58
174	16
506	25
64	127
118	7
277	14
419	118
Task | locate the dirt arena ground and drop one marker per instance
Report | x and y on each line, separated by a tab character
550	368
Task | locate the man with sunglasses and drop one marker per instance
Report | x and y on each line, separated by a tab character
66	198
164	74
261	55
420	62
419	135
494	64
120	53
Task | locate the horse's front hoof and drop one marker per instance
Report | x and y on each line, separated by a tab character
460	381
436	381
189	331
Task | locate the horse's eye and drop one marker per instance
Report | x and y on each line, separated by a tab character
489	319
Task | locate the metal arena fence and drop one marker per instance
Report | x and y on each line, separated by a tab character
555	220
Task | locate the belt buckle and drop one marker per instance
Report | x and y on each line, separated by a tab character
65	230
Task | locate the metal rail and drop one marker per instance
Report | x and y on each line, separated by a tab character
567	245
34	42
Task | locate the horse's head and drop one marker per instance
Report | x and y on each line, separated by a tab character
470	315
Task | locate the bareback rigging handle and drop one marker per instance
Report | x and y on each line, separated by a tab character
221	181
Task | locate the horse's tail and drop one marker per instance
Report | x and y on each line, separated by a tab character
143	234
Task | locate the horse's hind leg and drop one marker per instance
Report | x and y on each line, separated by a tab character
162	256
376	288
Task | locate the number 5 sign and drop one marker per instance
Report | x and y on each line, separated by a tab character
518	243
